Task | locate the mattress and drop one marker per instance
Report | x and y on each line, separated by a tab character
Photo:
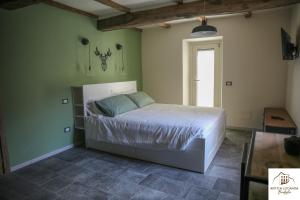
159	126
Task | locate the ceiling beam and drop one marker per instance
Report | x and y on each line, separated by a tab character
15	4
69	8
114	5
248	14
164	25
179	2
187	10
137	29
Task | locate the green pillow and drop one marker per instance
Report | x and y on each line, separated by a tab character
115	105
141	99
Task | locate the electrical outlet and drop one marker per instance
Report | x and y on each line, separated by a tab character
67	129
65	101
228	83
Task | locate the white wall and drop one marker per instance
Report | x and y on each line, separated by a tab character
293	80
252	60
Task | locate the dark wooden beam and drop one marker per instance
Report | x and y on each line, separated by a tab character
15	4
114	5
137	29
179	2
188	10
248	14
164	25
69	8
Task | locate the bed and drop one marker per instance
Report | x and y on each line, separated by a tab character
186	137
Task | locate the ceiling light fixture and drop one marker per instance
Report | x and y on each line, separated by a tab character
204	30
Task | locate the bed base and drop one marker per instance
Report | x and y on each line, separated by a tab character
197	157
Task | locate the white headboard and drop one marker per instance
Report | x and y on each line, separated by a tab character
95	92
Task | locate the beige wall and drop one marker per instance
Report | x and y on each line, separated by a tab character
252	60
293	80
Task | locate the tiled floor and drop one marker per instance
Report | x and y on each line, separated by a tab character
85	174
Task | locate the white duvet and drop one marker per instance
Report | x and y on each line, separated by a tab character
164	125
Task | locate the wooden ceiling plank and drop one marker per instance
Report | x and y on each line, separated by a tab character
187	10
69	8
114	5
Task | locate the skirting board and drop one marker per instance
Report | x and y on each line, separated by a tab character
42	157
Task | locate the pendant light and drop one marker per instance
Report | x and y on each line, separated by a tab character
204	30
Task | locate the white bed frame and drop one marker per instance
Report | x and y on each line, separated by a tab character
197	157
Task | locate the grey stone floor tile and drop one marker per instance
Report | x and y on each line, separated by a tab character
94	194
125	189
89	174
229	151
100	182
54	164
138	165
42	195
169	186
115	159
168	172
36	174
93	153
73	196
170	197
224	172
114	197
83	161
76	173
14	187
83	176
228	186
201	180
132	176
226	196
104	167
237	137
71	155
149	194
74	190
202	194
234	161
58	183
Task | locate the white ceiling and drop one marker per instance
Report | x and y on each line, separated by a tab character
103	11
91	6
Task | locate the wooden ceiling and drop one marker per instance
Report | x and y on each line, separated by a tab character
126	17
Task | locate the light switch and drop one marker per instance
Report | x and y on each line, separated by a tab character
228	83
65	101
67	129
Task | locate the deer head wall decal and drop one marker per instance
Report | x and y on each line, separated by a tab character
103	58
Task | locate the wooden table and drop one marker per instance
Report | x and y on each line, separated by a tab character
266	151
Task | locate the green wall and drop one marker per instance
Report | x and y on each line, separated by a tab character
41	57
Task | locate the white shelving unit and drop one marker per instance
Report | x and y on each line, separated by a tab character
78	107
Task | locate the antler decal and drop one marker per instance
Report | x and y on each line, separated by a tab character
103	58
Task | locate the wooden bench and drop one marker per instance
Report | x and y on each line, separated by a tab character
277	120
